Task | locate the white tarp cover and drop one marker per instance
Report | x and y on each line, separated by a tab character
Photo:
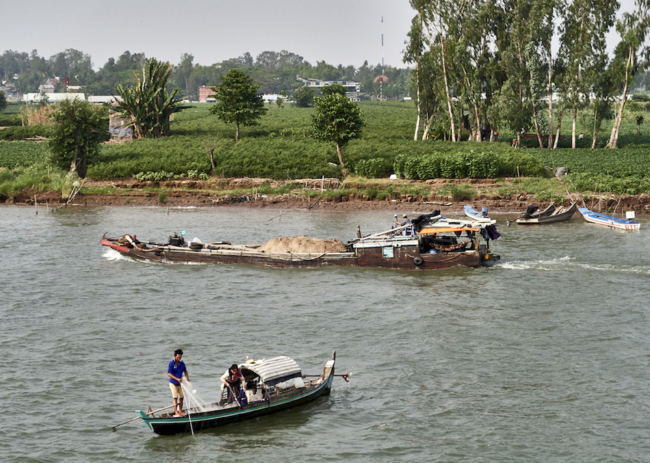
275	368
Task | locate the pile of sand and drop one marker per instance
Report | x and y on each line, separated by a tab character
302	244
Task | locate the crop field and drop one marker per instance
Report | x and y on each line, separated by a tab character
22	153
282	148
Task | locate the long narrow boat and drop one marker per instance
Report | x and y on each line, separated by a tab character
272	386
608	221
560	214
476	215
425	246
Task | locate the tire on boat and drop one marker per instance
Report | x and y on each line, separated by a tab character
418	261
196	246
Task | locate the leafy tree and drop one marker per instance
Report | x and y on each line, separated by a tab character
412	54
337	120
149	104
80	128
183	73
334	89
3	101
279	101
639	121
633	29
238	100
304	97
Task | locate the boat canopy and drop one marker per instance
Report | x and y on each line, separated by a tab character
434	230
275	370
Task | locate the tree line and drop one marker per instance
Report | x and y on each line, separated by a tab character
496	58
273	71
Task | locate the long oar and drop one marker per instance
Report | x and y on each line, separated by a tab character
138	417
345	376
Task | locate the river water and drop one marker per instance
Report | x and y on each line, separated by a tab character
542	357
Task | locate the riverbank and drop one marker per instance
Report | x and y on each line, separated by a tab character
499	195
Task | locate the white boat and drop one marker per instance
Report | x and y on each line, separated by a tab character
606	220
476	215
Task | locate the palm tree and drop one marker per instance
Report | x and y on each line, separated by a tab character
149	104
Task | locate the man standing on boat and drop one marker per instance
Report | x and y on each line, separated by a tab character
175	372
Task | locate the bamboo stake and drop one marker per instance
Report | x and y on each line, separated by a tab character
137	417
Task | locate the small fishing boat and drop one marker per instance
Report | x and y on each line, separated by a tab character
476	215
272	385
608	221
560	214
428	244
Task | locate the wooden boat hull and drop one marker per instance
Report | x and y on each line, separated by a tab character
558	216
194	422
607	221
402	258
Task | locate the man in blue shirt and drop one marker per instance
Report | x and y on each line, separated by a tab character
175	372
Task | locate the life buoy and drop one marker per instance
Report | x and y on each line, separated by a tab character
418	261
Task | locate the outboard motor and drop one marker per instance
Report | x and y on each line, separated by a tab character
176	240
530	210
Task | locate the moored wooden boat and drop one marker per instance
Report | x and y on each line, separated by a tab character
399	248
533	212
608	221
560	214
276	384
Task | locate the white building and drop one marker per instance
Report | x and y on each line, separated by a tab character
52	97
352	88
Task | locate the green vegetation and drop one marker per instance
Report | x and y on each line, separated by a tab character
79	130
238	101
22	154
337	119
18	133
7	120
282	148
304	97
149	105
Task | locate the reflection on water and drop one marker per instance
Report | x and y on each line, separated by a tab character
541	357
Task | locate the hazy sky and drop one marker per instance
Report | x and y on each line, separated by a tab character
336	31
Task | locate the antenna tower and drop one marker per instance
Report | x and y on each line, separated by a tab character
381	83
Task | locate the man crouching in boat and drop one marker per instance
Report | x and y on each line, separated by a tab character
232	380
175	372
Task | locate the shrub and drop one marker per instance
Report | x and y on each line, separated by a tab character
21	133
374	168
7	120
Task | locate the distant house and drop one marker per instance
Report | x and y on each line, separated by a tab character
352	88
46	88
52	97
204	92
